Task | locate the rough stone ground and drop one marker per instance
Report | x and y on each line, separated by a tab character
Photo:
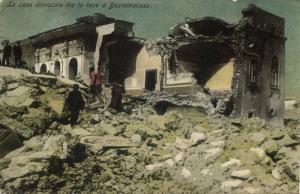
137	151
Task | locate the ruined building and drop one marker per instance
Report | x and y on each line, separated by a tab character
243	63
71	50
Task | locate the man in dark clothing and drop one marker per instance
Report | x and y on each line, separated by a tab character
17	51
1	51
117	93
6	54
75	103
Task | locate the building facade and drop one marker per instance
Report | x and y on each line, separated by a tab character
261	66
243	63
70	50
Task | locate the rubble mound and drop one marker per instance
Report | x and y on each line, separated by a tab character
138	150
161	101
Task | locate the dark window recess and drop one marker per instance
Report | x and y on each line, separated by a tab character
265	26
273	29
150	80
253	72
274	72
57	68
73	68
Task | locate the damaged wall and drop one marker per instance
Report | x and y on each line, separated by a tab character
135	84
231	61
70	50
66	59
204	63
28	58
258	96
197	51
237	58
222	79
178	83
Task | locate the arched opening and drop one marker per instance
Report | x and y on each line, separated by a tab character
274	71
73	68
57	68
43	68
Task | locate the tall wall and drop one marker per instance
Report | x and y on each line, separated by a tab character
28	53
261	40
272	97
135	84
222	79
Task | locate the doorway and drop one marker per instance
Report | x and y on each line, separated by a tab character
73	68
43	68
57	68
150	79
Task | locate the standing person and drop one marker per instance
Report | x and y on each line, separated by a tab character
117	93
92	89
17	51
6	54
96	84
1	51
75	103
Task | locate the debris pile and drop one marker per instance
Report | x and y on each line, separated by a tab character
138	150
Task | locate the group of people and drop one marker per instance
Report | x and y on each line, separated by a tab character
97	83
8	51
75	102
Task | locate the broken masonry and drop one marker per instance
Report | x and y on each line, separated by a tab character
241	65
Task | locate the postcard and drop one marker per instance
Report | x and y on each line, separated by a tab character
149	96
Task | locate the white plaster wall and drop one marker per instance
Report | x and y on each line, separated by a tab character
38	66
88	61
102	30
80	63
64	65
222	79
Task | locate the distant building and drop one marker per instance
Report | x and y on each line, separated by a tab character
243	63
70	50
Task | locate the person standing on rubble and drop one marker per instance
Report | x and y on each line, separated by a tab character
117	93
17	51
6	53
1	51
96	84
75	103
92	89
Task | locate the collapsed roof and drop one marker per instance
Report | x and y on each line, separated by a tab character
205	26
193	32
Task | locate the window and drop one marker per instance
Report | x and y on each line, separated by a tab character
253	72
273	29
274	72
251	113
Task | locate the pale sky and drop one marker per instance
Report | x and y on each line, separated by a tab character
152	23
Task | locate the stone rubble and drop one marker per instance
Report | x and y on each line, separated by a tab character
139	150
241	174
